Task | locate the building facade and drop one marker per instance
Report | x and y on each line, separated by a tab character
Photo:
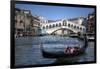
91	23
35	25
25	23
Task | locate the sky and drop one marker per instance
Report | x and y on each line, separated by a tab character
55	12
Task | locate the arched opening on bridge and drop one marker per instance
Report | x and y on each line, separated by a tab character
53	25
68	25
72	26
75	27
80	28
62	31
43	27
64	23
56	25
84	29
59	24
47	27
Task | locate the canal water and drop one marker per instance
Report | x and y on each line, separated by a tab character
28	50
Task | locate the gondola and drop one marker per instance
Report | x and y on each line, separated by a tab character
68	52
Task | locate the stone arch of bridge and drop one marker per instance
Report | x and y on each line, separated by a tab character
71	31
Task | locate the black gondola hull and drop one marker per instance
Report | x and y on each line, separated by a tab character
61	54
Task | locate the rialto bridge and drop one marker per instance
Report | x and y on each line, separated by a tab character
62	27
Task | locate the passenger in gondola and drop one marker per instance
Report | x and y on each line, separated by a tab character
67	50
72	50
